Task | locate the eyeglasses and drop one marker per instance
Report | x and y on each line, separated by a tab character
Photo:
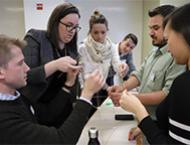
70	27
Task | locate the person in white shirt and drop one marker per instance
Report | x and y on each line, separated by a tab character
98	51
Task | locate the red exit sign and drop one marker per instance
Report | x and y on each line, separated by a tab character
39	6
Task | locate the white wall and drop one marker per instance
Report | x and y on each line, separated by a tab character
12	18
38	18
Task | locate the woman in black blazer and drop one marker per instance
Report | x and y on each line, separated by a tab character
52	57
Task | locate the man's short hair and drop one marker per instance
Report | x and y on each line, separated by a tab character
162	10
6	44
132	36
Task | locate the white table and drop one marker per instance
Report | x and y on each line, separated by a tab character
111	131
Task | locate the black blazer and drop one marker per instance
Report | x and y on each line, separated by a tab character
51	104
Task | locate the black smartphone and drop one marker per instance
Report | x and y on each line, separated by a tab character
124	117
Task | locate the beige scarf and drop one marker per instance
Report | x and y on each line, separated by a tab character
98	51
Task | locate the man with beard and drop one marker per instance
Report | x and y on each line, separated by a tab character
158	70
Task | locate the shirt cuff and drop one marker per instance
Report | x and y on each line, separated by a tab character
86	100
66	90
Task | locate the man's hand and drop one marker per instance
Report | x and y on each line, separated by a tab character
93	83
115	93
123	69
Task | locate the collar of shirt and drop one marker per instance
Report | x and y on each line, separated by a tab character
9	97
86	100
163	49
160	51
